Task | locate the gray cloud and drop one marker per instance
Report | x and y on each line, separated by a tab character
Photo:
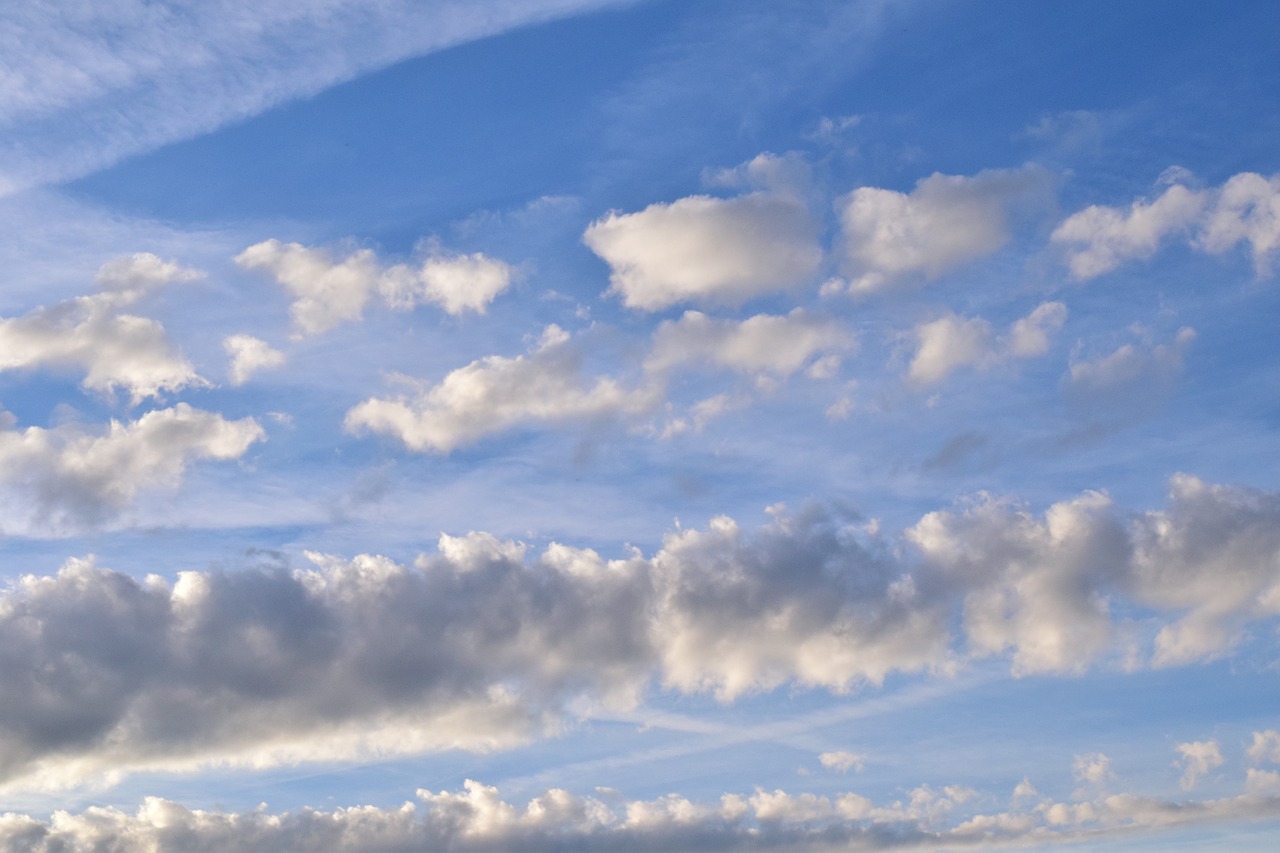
482	646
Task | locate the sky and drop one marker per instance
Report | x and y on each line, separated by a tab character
590	424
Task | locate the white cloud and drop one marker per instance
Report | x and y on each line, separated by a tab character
477	817
1265	747
1144	366
841	761
1092	769
1246	208
456	283
248	356
763	344
946	221
496	393
709	250
89	85
69	474
1198	758
952	342
328	292
1102	238
89	333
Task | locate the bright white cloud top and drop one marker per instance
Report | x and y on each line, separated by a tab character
593	425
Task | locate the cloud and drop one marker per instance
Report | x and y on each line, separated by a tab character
1210	557
456	283
328	292
1198	758
1092	769
71	475
1132	370
350	658
248	356
477	817
946	221
761	345
1246	208
952	342
1036	588
841	761
88	87
497	393
89	333
1265	747
710	250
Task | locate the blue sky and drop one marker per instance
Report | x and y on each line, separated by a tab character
640	425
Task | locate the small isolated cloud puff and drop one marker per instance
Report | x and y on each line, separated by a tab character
328	292
1148	366
1246	208
709	250
248	356
76	476
1093	768
951	342
763	344
946	221
495	393
842	762
1198	758
1265	747
90	333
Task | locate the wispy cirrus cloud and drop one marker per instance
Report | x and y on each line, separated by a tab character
85	86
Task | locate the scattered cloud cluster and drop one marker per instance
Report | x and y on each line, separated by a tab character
328	292
91	333
360	656
1245	209
477	817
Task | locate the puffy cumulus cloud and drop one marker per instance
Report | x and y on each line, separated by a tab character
477	817
803	599
946	221
1245	209
1198	758
1214	557
496	393
72	475
1145	367
483	645
248	356
90	333
765	345
1099	238
1265	747
949	343
456	283
328	292
469	649
712	250
842	761
1036	587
